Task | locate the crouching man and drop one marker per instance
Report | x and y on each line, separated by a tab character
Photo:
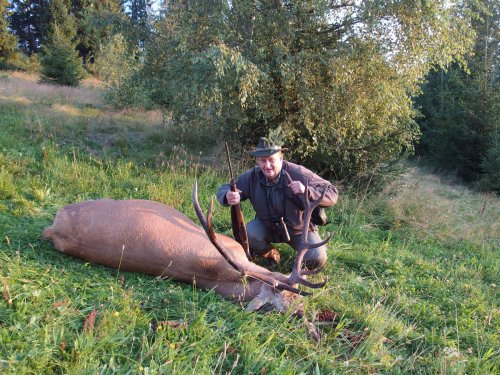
276	190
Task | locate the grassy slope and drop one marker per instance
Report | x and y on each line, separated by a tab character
413	277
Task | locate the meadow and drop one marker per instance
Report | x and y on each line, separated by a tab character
413	269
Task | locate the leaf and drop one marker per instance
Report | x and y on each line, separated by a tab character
89	324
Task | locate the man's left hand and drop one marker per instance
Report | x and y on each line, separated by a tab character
297	187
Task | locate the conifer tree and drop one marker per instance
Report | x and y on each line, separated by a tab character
60	61
28	21
60	16
96	22
461	111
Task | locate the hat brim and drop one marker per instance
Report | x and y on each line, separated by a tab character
266	151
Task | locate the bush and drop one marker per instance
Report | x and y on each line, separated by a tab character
117	64
22	62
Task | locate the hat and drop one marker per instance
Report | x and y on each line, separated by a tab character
266	148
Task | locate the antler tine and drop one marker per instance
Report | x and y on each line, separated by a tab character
319	244
297	273
207	225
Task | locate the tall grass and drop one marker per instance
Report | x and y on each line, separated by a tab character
413	271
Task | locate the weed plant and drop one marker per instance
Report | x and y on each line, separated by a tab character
413	269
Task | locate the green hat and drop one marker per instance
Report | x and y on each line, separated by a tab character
265	148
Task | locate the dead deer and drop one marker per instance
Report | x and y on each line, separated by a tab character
152	238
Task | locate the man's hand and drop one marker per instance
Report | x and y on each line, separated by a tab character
297	187
233	197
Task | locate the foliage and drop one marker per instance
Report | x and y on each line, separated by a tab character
60	63
60	17
116	66
400	261
490	181
8	42
275	137
28	20
338	77
460	106
31	22
96	21
20	61
139	11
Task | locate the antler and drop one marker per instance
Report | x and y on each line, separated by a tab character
207	225
298	273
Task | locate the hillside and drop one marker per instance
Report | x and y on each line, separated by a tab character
413	271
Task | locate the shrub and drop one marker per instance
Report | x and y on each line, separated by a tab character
116	64
20	61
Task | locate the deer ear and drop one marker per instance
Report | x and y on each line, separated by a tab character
256	303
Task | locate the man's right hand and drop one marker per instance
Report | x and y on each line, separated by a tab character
233	197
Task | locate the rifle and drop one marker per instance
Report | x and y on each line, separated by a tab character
237	219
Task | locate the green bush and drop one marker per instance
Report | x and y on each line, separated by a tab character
117	64
20	61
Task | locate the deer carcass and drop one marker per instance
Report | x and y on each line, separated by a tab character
152	238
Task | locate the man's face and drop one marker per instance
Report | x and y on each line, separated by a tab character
271	165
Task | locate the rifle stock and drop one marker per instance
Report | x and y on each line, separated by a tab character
237	218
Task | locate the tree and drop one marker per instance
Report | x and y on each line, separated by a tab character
8	42
116	65
31	19
60	61
139	11
61	17
337	76
28	21
97	21
461	105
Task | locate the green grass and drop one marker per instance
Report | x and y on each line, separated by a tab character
413	271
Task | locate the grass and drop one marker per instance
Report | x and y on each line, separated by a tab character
413	273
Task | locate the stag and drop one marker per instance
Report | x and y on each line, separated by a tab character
152	238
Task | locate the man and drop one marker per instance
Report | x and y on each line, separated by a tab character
276	190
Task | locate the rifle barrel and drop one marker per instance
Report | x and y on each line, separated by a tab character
229	163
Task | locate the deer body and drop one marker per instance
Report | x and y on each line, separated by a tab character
152	238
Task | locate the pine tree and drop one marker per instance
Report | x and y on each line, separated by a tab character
60	61
61	17
97	21
8	42
28	20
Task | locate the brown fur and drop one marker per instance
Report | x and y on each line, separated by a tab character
152	238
